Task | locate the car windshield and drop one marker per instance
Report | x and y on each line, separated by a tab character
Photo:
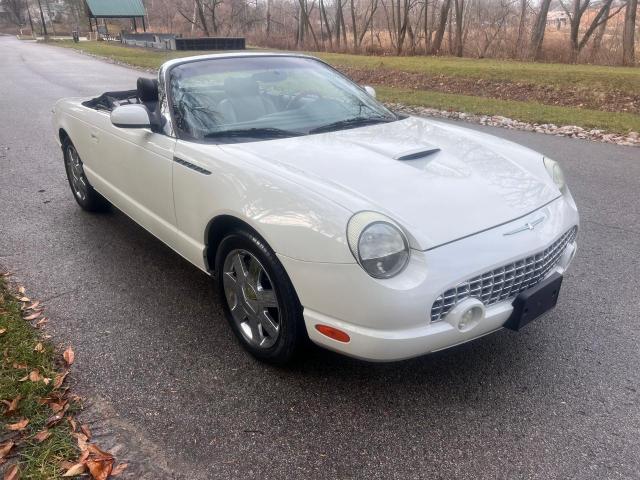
266	97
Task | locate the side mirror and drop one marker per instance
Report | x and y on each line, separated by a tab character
131	116
370	90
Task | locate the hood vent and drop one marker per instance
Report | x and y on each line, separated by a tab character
416	154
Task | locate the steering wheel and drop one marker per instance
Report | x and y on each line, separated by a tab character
305	93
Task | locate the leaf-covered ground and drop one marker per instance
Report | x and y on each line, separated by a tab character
39	436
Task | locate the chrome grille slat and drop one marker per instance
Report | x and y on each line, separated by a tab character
504	282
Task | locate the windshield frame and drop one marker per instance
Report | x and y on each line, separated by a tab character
165	74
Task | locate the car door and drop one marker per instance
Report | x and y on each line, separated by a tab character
134	170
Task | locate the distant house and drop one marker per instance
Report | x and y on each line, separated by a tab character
557	18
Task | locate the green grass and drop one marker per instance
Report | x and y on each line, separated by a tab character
602	78
558	76
37	460
532	112
138	57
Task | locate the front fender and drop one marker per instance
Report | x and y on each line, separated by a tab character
295	221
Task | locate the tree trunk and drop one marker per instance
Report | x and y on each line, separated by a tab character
459	45
628	36
268	17
354	27
323	17
521	26
600	31
537	34
442	25
427	33
338	21
203	20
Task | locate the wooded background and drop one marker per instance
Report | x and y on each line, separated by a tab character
584	31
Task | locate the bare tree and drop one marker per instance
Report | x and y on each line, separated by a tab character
16	10
442	25
459	11
537	34
575	20
522	23
628	36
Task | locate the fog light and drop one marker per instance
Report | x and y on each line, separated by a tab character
466	314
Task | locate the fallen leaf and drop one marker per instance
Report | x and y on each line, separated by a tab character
56	407
69	356
19	366
21	425
57	382
77	469
72	423
84	456
33	305
54	419
85	429
41	322
6	448
82	443
100	469
95	450
24	379
33	316
66	465
42	435
2	330
46	380
13	473
39	347
35	376
21	290
119	469
12	406
24	299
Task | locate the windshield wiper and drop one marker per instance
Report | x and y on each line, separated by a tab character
253	133
351	122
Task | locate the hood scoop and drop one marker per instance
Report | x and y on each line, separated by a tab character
416	154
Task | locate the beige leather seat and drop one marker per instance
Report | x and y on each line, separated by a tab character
244	101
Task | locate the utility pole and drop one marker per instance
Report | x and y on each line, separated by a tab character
44	25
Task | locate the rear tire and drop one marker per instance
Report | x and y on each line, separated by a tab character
83	192
258	298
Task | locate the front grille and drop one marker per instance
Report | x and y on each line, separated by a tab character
505	282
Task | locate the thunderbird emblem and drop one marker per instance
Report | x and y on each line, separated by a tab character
527	226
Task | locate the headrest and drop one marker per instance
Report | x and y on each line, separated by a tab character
241	87
148	89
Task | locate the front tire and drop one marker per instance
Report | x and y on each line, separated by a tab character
83	192
258	298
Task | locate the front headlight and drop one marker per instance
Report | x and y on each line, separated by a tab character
378	244
556	173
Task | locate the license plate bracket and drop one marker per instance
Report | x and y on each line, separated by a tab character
534	302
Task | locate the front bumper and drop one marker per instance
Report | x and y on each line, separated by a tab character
389	320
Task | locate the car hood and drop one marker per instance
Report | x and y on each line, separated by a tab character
453	181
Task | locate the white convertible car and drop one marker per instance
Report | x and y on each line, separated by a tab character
321	214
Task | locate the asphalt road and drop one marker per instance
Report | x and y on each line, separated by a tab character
162	372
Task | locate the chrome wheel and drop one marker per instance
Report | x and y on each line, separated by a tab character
77	178
251	298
